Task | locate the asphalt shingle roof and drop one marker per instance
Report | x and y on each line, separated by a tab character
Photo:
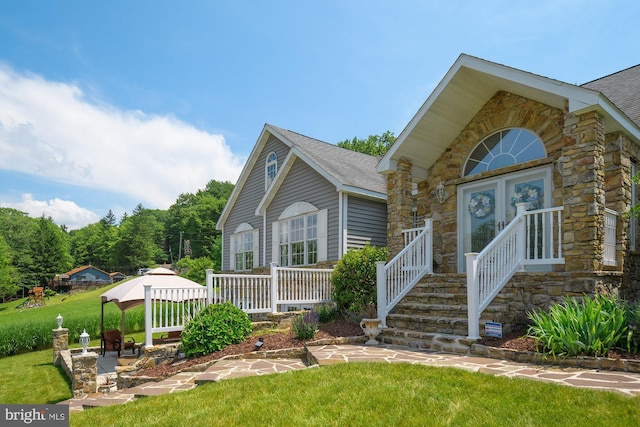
623	89
349	167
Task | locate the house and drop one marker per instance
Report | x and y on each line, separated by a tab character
486	139
301	202
116	276
86	274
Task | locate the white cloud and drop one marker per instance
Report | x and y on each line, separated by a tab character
51	130
61	211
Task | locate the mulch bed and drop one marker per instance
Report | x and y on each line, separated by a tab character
515	340
272	341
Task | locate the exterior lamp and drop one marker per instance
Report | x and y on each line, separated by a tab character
440	193
59	321
84	341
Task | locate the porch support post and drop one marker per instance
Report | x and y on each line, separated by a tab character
274	287
209	282
381	292
522	234
148	336
473	300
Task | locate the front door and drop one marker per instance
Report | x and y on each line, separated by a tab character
485	207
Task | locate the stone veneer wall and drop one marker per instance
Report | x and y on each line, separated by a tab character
591	171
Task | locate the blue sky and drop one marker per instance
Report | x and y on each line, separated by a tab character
104	105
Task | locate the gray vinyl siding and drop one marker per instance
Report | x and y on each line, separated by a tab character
367	218
303	184
250	195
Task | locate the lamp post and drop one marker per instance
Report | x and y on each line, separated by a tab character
59	321
84	341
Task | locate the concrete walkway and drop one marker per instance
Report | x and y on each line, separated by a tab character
623	382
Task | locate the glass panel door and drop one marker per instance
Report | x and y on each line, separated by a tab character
486	207
479	217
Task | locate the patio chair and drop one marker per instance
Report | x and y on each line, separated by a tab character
171	336
111	342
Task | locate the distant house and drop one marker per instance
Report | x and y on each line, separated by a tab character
86	274
117	276
301	202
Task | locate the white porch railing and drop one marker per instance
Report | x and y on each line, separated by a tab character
610	223
263	293
396	278
533	237
169	309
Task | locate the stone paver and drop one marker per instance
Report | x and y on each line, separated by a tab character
624	382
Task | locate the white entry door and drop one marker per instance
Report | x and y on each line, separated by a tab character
485	207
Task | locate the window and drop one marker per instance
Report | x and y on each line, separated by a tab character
244	248
504	148
271	169
300	239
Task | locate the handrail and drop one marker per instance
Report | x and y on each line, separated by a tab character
396	278
533	237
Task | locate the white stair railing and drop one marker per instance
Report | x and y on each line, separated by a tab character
533	237
396	278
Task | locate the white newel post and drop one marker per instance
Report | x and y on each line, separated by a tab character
274	287
209	283
522	234
473	300
148	336
381	291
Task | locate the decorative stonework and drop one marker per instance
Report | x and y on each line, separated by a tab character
60	343
399	206
85	373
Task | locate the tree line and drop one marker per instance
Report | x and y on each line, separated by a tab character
34	250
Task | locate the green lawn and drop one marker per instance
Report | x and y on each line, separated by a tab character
374	394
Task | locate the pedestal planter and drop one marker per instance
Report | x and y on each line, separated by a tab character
371	328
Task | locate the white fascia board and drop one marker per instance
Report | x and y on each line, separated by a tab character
244	175
275	185
347	189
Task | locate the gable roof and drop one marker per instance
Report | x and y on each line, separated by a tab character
85	267
350	171
623	89
471	82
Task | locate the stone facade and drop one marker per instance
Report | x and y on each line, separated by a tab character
60	344
85	373
591	171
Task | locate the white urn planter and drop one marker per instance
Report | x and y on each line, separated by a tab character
371	328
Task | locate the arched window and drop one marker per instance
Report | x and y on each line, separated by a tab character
300	235
271	168
504	148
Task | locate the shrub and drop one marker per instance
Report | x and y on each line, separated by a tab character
306	325
590	327
326	312
354	278
213	328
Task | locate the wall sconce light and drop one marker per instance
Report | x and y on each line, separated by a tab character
59	321
440	193
84	341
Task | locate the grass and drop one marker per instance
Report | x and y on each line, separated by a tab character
27	329
374	394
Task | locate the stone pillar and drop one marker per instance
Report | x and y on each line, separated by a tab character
60	343
583	192
85	373
399	206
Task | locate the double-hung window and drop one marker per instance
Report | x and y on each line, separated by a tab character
244	248
300	240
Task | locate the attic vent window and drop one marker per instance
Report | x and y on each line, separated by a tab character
271	169
504	148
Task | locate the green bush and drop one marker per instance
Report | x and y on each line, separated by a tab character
306	325
354	278
214	328
589	327
326	312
